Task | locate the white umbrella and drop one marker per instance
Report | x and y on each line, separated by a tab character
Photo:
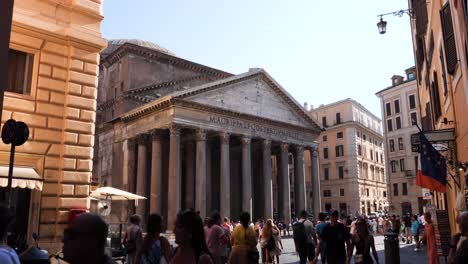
110	193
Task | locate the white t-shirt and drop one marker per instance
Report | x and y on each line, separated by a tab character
8	256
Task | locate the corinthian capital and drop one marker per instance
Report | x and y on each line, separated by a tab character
224	138
284	147
300	150
245	140
174	129
157	134
141	139
266	143
201	135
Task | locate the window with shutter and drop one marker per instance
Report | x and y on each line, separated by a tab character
449	38
444	76
436	98
430	52
419	56
421	17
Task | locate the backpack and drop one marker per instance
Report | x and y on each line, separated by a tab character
299	233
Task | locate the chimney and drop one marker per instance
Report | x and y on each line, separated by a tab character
306	106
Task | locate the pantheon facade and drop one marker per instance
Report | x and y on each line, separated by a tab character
189	136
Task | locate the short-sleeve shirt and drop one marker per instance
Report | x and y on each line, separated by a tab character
242	236
335	238
309	229
8	256
319	228
214	239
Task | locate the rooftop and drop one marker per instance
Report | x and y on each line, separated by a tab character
114	44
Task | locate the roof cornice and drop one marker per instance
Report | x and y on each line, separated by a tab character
171	102
160	56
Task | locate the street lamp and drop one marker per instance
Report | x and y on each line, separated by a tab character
382	24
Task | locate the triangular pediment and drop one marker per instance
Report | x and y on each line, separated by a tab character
253	93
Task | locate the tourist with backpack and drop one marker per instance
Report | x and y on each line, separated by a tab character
156	248
336	236
305	238
133	239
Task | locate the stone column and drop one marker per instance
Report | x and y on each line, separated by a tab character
141	181
201	193
209	179
267	181
155	198
128	159
189	202
284	199
225	174
246	175
299	181
316	203
174	181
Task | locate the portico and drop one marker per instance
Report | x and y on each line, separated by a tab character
211	148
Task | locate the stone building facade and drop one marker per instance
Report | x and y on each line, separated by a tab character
400	112
352	176
440	41
53	67
190	136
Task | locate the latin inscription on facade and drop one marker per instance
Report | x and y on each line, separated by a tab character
253	127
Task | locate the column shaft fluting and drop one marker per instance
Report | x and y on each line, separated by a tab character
141	175
246	176
284	199
225	181
200	193
174	181
156	173
267	181
299	181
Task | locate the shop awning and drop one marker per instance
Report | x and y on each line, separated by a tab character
23	177
110	193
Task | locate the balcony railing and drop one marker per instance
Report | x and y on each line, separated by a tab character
410	173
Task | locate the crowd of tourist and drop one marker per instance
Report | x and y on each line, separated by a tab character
215	240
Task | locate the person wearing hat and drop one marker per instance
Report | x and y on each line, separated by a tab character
336	236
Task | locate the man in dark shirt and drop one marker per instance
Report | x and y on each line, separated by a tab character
408	233
335	235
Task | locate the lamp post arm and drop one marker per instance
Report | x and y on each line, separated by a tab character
400	13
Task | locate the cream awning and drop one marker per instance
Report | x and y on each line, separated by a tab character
23	177
110	193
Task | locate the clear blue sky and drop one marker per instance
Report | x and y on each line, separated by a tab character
320	51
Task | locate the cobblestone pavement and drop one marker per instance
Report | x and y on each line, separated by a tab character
407	254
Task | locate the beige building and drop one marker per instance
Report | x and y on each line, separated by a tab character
400	112
189	136
53	67
352	167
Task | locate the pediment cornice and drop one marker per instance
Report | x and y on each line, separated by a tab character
161	57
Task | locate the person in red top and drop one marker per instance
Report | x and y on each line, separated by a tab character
227	225
429	237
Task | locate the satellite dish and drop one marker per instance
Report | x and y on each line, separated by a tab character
104	208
